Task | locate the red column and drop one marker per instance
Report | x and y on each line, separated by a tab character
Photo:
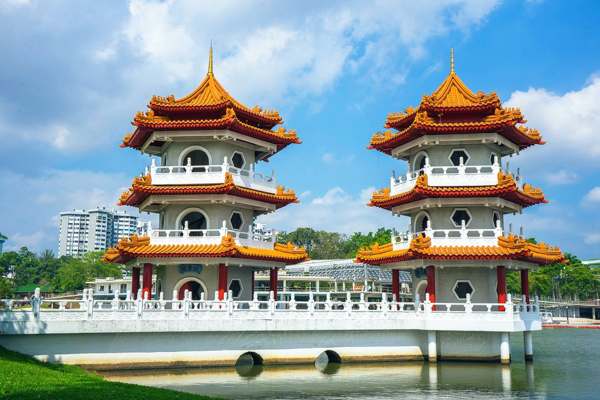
430	271
147	282
501	287
135	281
273	282
525	284
396	283
222	281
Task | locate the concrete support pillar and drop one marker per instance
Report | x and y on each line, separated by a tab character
273	281
396	283
135	282
432	346
222	281
283	289
318	286
430	271
501	285
504	348
147	282
525	284
528	345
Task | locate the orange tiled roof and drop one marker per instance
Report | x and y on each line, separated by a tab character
134	247
142	187
506	188
210	96
148	122
509	247
454	108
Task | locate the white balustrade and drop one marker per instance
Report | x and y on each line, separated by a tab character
160	309
451	237
460	175
210	175
248	238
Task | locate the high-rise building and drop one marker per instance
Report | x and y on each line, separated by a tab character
2	240
82	231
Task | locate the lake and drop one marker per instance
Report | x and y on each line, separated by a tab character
566	366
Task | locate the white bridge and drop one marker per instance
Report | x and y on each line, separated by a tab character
151	333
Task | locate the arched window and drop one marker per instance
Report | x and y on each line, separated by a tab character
421	222
496	218
420	162
197	156
195	221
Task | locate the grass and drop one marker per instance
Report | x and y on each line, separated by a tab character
24	378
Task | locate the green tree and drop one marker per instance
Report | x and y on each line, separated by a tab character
75	272
6	288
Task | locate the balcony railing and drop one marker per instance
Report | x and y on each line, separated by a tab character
460	175
250	238
210	175
451	237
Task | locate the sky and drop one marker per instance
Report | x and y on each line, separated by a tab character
73	74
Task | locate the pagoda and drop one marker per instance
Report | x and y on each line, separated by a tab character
207	195
457	192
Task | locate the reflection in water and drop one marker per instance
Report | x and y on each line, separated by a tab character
560	372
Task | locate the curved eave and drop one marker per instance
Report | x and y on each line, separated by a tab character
140	191
506	190
390	141
200	111
145	126
140	247
508	248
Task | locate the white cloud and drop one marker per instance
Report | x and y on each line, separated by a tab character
592	238
593	196
335	211
569	123
561	177
35	202
270	54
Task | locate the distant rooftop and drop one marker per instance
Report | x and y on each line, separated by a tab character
594	263
344	270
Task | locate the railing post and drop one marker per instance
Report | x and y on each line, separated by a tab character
384	303
139	303
90	303
363	304
161	300
186	303
114	304
427	304
35	303
293	301
255	305
272	302
468	304
509	306
230	302
348	304
328	300
311	303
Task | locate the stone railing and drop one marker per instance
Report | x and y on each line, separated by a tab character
451	237
460	175
248	238
89	308
209	175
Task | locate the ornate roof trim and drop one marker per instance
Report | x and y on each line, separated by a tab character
509	247
142	187
506	188
136	246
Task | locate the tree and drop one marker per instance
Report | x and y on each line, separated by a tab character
75	272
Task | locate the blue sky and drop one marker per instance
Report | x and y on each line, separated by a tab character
74	73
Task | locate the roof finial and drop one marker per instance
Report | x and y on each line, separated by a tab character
452	60
210	59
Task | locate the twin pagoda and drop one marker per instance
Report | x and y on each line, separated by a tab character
207	194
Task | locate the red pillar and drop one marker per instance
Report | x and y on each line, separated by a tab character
273	282
135	281
525	284
147	282
501	287
430	271
396	283
222	281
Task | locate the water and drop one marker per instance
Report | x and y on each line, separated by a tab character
567	366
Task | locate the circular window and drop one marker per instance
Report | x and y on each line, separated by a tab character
195	221
236	287
236	220
462	288
238	160
459	215
456	155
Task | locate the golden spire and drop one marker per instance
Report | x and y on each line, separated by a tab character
210	59
451	60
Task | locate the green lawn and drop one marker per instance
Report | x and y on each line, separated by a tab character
24	378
